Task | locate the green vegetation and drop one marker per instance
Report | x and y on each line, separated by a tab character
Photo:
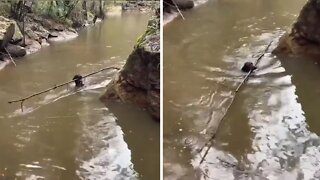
65	11
153	28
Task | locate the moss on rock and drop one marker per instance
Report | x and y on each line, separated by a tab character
138	81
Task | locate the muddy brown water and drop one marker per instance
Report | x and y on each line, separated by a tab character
71	135
271	130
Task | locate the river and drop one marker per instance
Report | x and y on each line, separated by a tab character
66	134
271	131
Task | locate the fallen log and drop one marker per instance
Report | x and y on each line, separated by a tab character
56	86
209	144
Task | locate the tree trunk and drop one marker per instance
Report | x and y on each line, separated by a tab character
16	10
71	7
84	7
101	13
50	7
93	6
23	26
23	32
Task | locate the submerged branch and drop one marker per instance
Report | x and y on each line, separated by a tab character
10	57
209	144
56	86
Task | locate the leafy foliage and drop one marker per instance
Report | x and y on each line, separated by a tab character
61	10
153	28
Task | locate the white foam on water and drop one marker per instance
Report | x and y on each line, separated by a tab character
199	2
59	167
34	177
283	147
282	139
103	153
31	166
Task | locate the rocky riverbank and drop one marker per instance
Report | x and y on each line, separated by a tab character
39	32
27	26
142	6
138	82
304	37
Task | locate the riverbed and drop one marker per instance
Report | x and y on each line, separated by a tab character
68	133
271	130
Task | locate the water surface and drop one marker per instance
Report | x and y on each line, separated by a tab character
271	130
66	134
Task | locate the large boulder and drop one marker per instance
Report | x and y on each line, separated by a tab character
16	51
304	38
7	24
33	46
182	4
7	37
138	81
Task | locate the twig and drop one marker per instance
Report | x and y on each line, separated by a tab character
227	163
56	86
216	132
245	79
10	57
178	9
59	117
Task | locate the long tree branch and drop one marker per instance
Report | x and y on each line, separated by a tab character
209	144
56	86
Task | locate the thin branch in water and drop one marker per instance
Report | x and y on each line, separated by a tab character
59	117
56	86
10	57
209	144
21	105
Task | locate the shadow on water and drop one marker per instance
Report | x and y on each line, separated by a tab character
305	72
130	123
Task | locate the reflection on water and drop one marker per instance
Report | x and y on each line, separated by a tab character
271	130
68	133
104	139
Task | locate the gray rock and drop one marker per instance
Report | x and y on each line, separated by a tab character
304	38
182	4
4	24
16	51
139	80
